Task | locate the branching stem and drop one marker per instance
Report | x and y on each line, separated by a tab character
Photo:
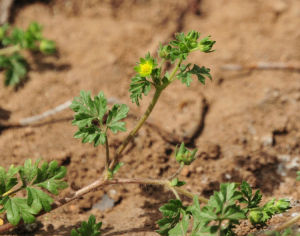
98	184
142	120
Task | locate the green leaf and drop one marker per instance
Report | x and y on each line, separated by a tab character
138	86
176	182
182	226
200	225
38	200
220	207
88	117
111	173
15	68
251	200
171	216
8	179
17	208
201	73
90	228
29	171
92	118
49	177
117	113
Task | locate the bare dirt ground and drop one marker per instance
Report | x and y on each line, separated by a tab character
246	124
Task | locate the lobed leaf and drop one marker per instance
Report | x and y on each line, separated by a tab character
8	179
38	200
49	177
92	118
139	86
17	209
90	228
117	113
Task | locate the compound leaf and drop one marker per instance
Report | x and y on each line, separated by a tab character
88	117
248	197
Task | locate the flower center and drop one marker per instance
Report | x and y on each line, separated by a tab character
146	69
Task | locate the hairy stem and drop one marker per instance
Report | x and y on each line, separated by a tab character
177	172
10	50
136	128
96	185
142	120
106	155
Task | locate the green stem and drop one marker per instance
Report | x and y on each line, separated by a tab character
10	50
142	120
172	76
10	192
106	154
136	128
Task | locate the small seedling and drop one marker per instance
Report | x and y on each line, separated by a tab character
218	216
12	42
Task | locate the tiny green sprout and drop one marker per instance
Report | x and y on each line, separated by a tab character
145	66
47	46
184	156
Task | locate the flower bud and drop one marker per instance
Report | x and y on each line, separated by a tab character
206	44
163	52
256	216
282	205
47	46
185	156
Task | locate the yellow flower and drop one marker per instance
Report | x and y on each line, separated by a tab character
145	69
146	66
